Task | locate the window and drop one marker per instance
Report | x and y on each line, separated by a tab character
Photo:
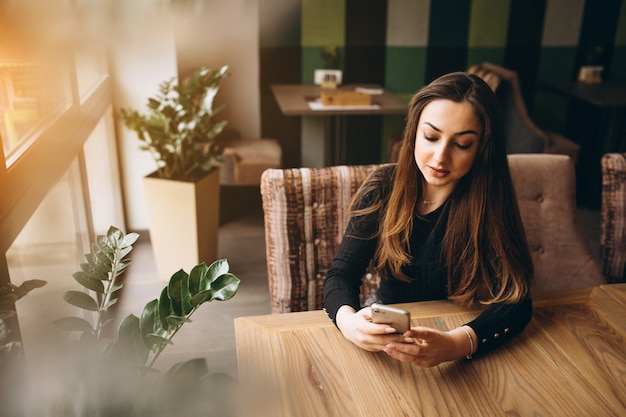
32	92
57	138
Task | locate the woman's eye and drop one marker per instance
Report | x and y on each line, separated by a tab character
461	146
430	138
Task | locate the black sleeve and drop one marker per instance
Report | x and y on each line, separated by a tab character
500	323
343	280
356	250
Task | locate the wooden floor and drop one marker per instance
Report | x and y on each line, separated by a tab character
241	241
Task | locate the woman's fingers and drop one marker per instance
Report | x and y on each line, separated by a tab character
420	346
408	353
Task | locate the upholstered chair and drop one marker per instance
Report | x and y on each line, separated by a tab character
305	214
523	135
545	187
613	217
306	209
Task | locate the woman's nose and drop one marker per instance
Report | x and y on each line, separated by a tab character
441	153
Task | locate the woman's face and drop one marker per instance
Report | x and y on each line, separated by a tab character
446	143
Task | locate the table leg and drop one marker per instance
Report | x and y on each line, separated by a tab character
313	137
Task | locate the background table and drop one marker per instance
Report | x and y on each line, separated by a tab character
326	145
569	361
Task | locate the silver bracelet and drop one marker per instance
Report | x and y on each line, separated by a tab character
469	336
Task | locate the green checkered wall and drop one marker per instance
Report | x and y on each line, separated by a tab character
403	44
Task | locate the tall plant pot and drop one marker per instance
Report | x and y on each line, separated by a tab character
184	221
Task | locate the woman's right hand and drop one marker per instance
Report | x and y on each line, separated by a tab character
358	328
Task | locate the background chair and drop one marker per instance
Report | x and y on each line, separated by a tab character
523	135
305	213
613	217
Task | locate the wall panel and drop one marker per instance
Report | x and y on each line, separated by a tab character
403	44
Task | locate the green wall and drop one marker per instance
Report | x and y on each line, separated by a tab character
404	44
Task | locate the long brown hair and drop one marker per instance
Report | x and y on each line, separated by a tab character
484	237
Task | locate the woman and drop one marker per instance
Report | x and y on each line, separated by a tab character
442	223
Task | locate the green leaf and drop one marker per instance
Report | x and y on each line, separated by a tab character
131	342
91	271
115	236
31	284
149	320
103	244
81	300
202	297
195	275
121	267
109	303
225	287
10	293
89	282
115	287
216	269
165	308
174	293
104	260
129	239
175	321
158	340
123	251
73	324
100	268
178	291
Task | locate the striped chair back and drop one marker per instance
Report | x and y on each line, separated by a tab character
613	217
305	214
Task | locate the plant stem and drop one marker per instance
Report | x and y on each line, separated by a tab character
107	295
169	338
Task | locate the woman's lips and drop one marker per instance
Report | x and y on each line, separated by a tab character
438	173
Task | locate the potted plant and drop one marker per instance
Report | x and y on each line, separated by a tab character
330	76
114	374
179	131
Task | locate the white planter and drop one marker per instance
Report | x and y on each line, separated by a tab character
184	221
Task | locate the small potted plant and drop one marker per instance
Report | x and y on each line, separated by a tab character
180	131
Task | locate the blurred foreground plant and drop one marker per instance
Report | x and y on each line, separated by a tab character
11	350
115	376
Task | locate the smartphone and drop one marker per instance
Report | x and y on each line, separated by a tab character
397	318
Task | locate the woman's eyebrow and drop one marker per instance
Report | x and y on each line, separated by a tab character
464	132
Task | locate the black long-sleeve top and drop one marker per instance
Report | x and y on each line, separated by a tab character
494	326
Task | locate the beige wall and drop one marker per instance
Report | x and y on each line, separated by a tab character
226	33
223	32
138	65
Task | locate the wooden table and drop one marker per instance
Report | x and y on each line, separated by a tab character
326	145
569	361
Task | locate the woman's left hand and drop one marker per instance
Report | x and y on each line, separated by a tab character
426	347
